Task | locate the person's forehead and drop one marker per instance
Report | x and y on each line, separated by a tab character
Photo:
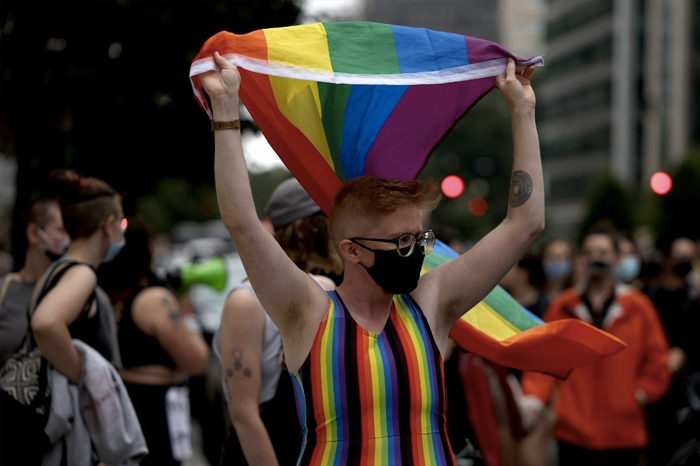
402	220
683	247
557	248
598	242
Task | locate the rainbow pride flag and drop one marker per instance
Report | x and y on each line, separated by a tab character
339	100
500	329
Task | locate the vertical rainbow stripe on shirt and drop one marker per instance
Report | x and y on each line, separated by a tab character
373	399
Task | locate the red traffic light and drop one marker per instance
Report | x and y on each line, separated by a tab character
661	183
452	186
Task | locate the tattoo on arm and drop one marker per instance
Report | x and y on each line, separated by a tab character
173	311
520	188
237	366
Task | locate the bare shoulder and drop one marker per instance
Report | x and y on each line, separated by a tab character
325	282
156	296
242	301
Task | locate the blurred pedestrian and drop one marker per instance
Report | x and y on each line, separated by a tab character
629	267
46	241
259	391
71	306
600	409
676	301
159	351
525	282
557	255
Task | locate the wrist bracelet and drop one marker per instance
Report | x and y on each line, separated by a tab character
230	124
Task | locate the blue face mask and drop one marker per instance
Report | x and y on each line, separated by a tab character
628	269
113	250
555	269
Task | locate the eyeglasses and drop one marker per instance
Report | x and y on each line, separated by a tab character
406	242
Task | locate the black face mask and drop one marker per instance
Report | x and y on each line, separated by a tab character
396	274
54	256
599	269
682	269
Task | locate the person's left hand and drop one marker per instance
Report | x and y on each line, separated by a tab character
223	83
516	88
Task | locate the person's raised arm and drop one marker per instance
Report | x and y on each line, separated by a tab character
455	287
278	282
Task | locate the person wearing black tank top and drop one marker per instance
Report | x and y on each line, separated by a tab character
67	307
159	351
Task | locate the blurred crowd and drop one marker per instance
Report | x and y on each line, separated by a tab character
164	309
637	407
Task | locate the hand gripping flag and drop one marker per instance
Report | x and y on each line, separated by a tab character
339	100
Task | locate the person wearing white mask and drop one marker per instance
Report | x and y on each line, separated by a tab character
46	241
630	264
69	303
558	264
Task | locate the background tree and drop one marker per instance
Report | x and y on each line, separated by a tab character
679	212
609	204
103	87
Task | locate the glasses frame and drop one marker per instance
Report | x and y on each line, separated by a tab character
397	243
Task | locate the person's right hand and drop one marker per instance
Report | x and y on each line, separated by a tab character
516	88
223	83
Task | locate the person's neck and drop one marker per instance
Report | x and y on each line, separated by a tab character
87	250
35	264
366	301
600	289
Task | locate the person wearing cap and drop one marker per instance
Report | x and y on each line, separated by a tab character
366	358
259	392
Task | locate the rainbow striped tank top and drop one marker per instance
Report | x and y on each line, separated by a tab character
373	399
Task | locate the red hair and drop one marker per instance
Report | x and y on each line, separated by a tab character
361	201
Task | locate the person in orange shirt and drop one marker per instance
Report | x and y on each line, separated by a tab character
600	407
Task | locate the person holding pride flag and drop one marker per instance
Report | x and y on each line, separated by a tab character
365	359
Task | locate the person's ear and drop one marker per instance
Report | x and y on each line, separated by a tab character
33	235
108	224
349	251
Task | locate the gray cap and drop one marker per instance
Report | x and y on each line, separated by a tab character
289	202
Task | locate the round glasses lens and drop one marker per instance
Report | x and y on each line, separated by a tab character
427	241
405	252
405	240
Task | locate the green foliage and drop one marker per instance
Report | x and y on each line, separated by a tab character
609	204
109	96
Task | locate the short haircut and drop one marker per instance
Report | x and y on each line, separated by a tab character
85	202
606	231
362	201
39	212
